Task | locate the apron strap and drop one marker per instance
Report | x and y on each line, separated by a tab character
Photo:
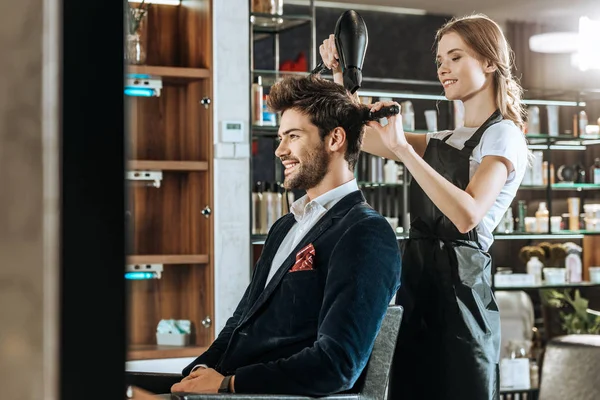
474	140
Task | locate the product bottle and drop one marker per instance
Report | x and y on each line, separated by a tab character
521	216
277	202
257	198
257	101
542	215
534	267
533	120
595	172
390	172
583	121
268	206
408	116
510	221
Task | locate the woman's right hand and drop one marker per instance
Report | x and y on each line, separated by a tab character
330	55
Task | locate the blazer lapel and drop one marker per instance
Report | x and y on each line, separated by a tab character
270	249
339	210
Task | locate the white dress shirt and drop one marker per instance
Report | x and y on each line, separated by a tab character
307	214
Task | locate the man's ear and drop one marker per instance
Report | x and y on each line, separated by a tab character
336	139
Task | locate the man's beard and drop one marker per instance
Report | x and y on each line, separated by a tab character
310	172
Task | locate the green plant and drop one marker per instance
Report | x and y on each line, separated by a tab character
578	319
136	15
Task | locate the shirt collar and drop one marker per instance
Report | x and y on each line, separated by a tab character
325	201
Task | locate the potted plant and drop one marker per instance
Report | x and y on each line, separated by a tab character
575	316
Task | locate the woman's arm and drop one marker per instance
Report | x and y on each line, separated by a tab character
465	208
373	144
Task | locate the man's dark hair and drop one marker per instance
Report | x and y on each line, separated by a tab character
327	104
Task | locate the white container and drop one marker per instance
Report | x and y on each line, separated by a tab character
594	274
533	120
431	120
534	267
574	268
555	223
390	172
408	116
552	120
530	224
172	339
555	276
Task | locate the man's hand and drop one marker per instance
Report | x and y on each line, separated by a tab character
202	380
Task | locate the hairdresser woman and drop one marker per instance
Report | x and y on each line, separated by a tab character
463	182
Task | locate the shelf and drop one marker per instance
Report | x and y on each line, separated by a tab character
271	131
170	74
544	286
260	239
151	351
379	184
270	23
541	236
264	131
168	259
564	186
168	165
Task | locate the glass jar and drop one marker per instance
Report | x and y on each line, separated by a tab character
134	50
267	6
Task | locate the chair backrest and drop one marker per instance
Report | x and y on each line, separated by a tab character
570	368
377	371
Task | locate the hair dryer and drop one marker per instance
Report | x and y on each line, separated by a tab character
351	40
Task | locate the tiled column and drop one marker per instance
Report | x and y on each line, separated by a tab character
232	161
28	199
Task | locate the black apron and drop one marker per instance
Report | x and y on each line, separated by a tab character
449	340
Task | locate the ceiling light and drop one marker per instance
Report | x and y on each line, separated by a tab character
554	42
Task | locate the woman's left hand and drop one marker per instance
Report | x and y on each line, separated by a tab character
392	134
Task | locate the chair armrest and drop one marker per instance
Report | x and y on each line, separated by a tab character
242	396
155	382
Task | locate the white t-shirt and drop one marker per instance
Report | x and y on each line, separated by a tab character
502	139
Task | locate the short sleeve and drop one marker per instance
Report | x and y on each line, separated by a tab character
436	135
504	139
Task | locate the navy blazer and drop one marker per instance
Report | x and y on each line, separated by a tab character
311	332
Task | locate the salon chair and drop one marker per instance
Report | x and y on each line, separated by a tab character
570	368
372	385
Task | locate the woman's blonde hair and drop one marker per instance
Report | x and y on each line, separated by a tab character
486	39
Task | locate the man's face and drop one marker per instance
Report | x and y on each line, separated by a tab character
302	152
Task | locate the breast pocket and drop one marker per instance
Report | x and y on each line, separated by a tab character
299	301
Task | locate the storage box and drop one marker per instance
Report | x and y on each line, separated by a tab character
173	339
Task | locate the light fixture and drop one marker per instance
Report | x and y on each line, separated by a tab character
584	45
554	42
143	85
143	271
588	50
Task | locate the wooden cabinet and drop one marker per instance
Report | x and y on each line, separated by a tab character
172	224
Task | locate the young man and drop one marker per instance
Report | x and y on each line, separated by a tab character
308	320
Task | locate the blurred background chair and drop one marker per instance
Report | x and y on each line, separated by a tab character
571	368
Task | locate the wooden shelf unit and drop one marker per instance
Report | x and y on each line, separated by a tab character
172	133
168	165
148	352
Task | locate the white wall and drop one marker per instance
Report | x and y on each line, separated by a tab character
29	202
232	163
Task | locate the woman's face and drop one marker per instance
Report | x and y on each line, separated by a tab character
462	75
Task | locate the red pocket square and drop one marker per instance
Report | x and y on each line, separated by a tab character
304	259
